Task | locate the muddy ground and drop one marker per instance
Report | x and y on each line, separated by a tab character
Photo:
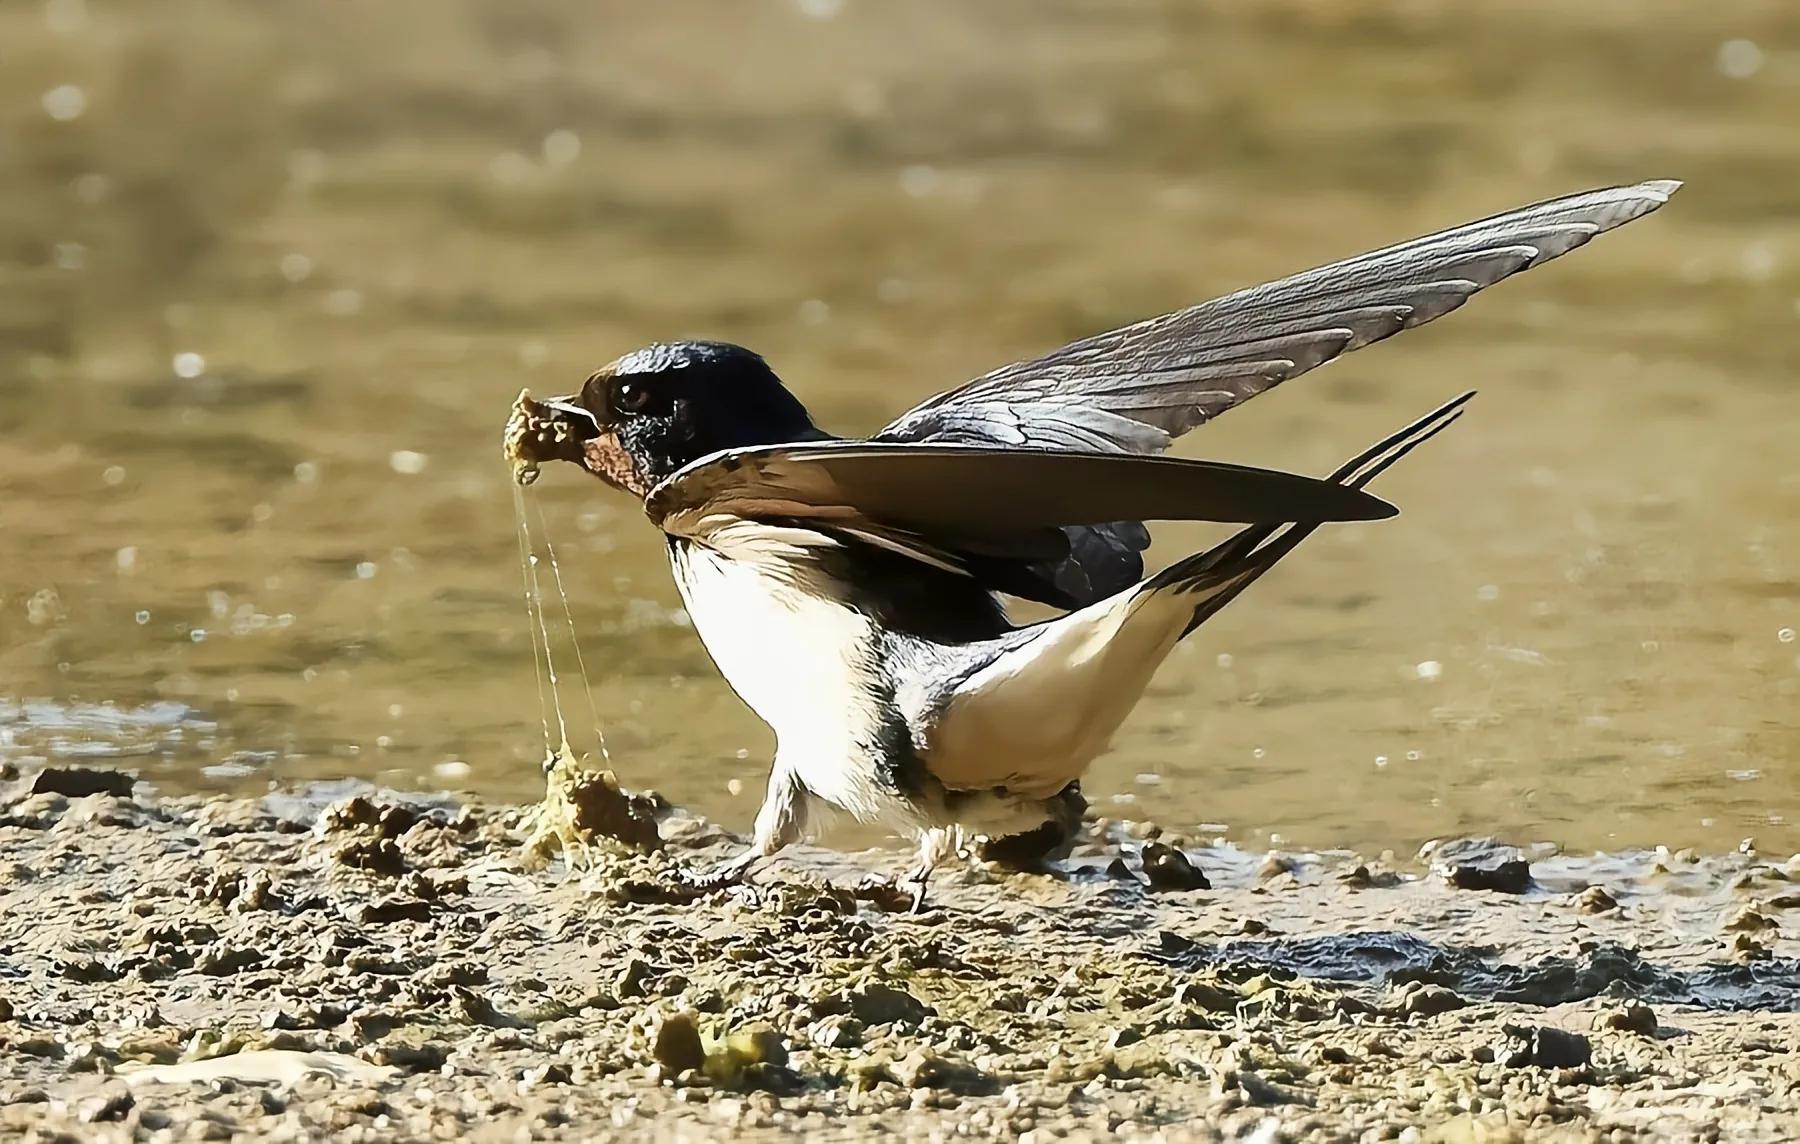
372	967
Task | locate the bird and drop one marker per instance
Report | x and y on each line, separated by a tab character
856	593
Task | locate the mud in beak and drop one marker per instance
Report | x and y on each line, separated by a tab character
555	429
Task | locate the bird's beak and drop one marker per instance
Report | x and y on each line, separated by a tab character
581	423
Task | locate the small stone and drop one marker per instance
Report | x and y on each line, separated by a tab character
544	1076
111	1105
1127	1035
839	1031
1595	900
79	782
1631	1017
1543	1046
392	909
89	970
376	855
1419	999
37	811
256	891
1275	864
630	979
1749	946
373	1024
1118	871
1750	920
677	1047
1480	864
1207	995
1263	1092
221	960
879	1004
757	1044
923	1068
425	1057
45	1047
1170	869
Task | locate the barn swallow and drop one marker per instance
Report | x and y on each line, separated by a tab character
852	591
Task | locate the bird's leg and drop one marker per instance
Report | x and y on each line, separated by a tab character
779	824
934	846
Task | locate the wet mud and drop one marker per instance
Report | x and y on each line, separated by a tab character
339	965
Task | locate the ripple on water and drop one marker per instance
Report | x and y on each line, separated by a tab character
46	728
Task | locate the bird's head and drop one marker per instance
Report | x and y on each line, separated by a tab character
656	409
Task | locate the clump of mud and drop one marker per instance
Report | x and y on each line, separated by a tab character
534	433
386	967
584	807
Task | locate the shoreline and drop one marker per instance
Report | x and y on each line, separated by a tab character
391	967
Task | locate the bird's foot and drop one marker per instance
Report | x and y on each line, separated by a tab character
884	893
725	875
917	906
905	894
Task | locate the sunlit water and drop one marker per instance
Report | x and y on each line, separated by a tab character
270	275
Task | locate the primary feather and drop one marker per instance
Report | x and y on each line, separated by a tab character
953	505
1135	389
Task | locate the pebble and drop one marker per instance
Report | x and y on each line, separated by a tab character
1419	999
839	1031
1630	1017
677	1047
879	1004
923	1068
1749	919
80	782
1542	1046
1167	868
1482	864
1595	900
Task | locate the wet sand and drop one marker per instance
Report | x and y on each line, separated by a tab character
374	966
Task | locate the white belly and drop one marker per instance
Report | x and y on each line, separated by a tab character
1033	719
800	660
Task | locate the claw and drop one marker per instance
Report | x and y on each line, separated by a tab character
884	893
726	874
906	892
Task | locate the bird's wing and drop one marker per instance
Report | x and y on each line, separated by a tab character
1028	713
1134	390
956	504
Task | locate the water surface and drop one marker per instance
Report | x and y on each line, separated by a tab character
270	275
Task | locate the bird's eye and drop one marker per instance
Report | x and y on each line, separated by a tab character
630	396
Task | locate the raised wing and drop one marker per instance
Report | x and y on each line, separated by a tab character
953	504
1134	390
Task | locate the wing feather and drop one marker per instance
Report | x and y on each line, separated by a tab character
945	502
1147	372
1135	389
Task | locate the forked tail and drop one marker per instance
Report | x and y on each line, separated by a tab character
1222	571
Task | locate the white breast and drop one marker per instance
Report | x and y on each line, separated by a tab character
801	659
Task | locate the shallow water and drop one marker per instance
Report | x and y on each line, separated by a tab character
269	276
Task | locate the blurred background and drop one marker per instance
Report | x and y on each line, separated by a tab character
271	273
